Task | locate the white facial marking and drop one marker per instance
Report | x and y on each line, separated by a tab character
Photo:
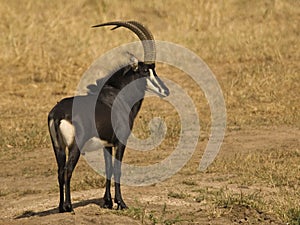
68	132
53	133
152	84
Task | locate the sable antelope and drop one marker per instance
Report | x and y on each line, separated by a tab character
71	130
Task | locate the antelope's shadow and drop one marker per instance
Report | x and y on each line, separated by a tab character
30	213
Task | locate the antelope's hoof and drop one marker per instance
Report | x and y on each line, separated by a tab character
108	204
61	209
66	208
121	205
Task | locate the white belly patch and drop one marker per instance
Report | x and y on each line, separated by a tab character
94	144
67	131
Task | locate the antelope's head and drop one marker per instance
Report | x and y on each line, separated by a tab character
143	69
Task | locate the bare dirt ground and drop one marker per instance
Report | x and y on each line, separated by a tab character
176	200
252	47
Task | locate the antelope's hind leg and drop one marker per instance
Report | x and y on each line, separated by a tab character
60	155
74	155
61	162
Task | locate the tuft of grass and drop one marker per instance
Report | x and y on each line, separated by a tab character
227	199
189	182
4	193
177	195
88	181
163	218
153	219
135	213
252	48
294	216
29	192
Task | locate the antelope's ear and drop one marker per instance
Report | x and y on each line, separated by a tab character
134	62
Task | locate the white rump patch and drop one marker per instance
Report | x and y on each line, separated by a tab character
68	132
53	133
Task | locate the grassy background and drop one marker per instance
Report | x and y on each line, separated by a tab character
251	46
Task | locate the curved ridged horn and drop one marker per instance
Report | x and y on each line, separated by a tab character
144	29
151	54
142	32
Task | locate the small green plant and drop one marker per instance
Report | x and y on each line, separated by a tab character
87	182
189	182
135	213
153	219
177	219
294	216
227	199
29	192
164	217
3	193
180	195
199	198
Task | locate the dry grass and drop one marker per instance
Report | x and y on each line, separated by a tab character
252	47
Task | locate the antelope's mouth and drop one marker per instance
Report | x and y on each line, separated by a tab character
156	85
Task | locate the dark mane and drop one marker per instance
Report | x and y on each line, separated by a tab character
110	81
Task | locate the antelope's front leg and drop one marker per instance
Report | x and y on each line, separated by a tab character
117	175
108	170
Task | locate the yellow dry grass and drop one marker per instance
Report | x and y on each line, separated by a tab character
251	46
